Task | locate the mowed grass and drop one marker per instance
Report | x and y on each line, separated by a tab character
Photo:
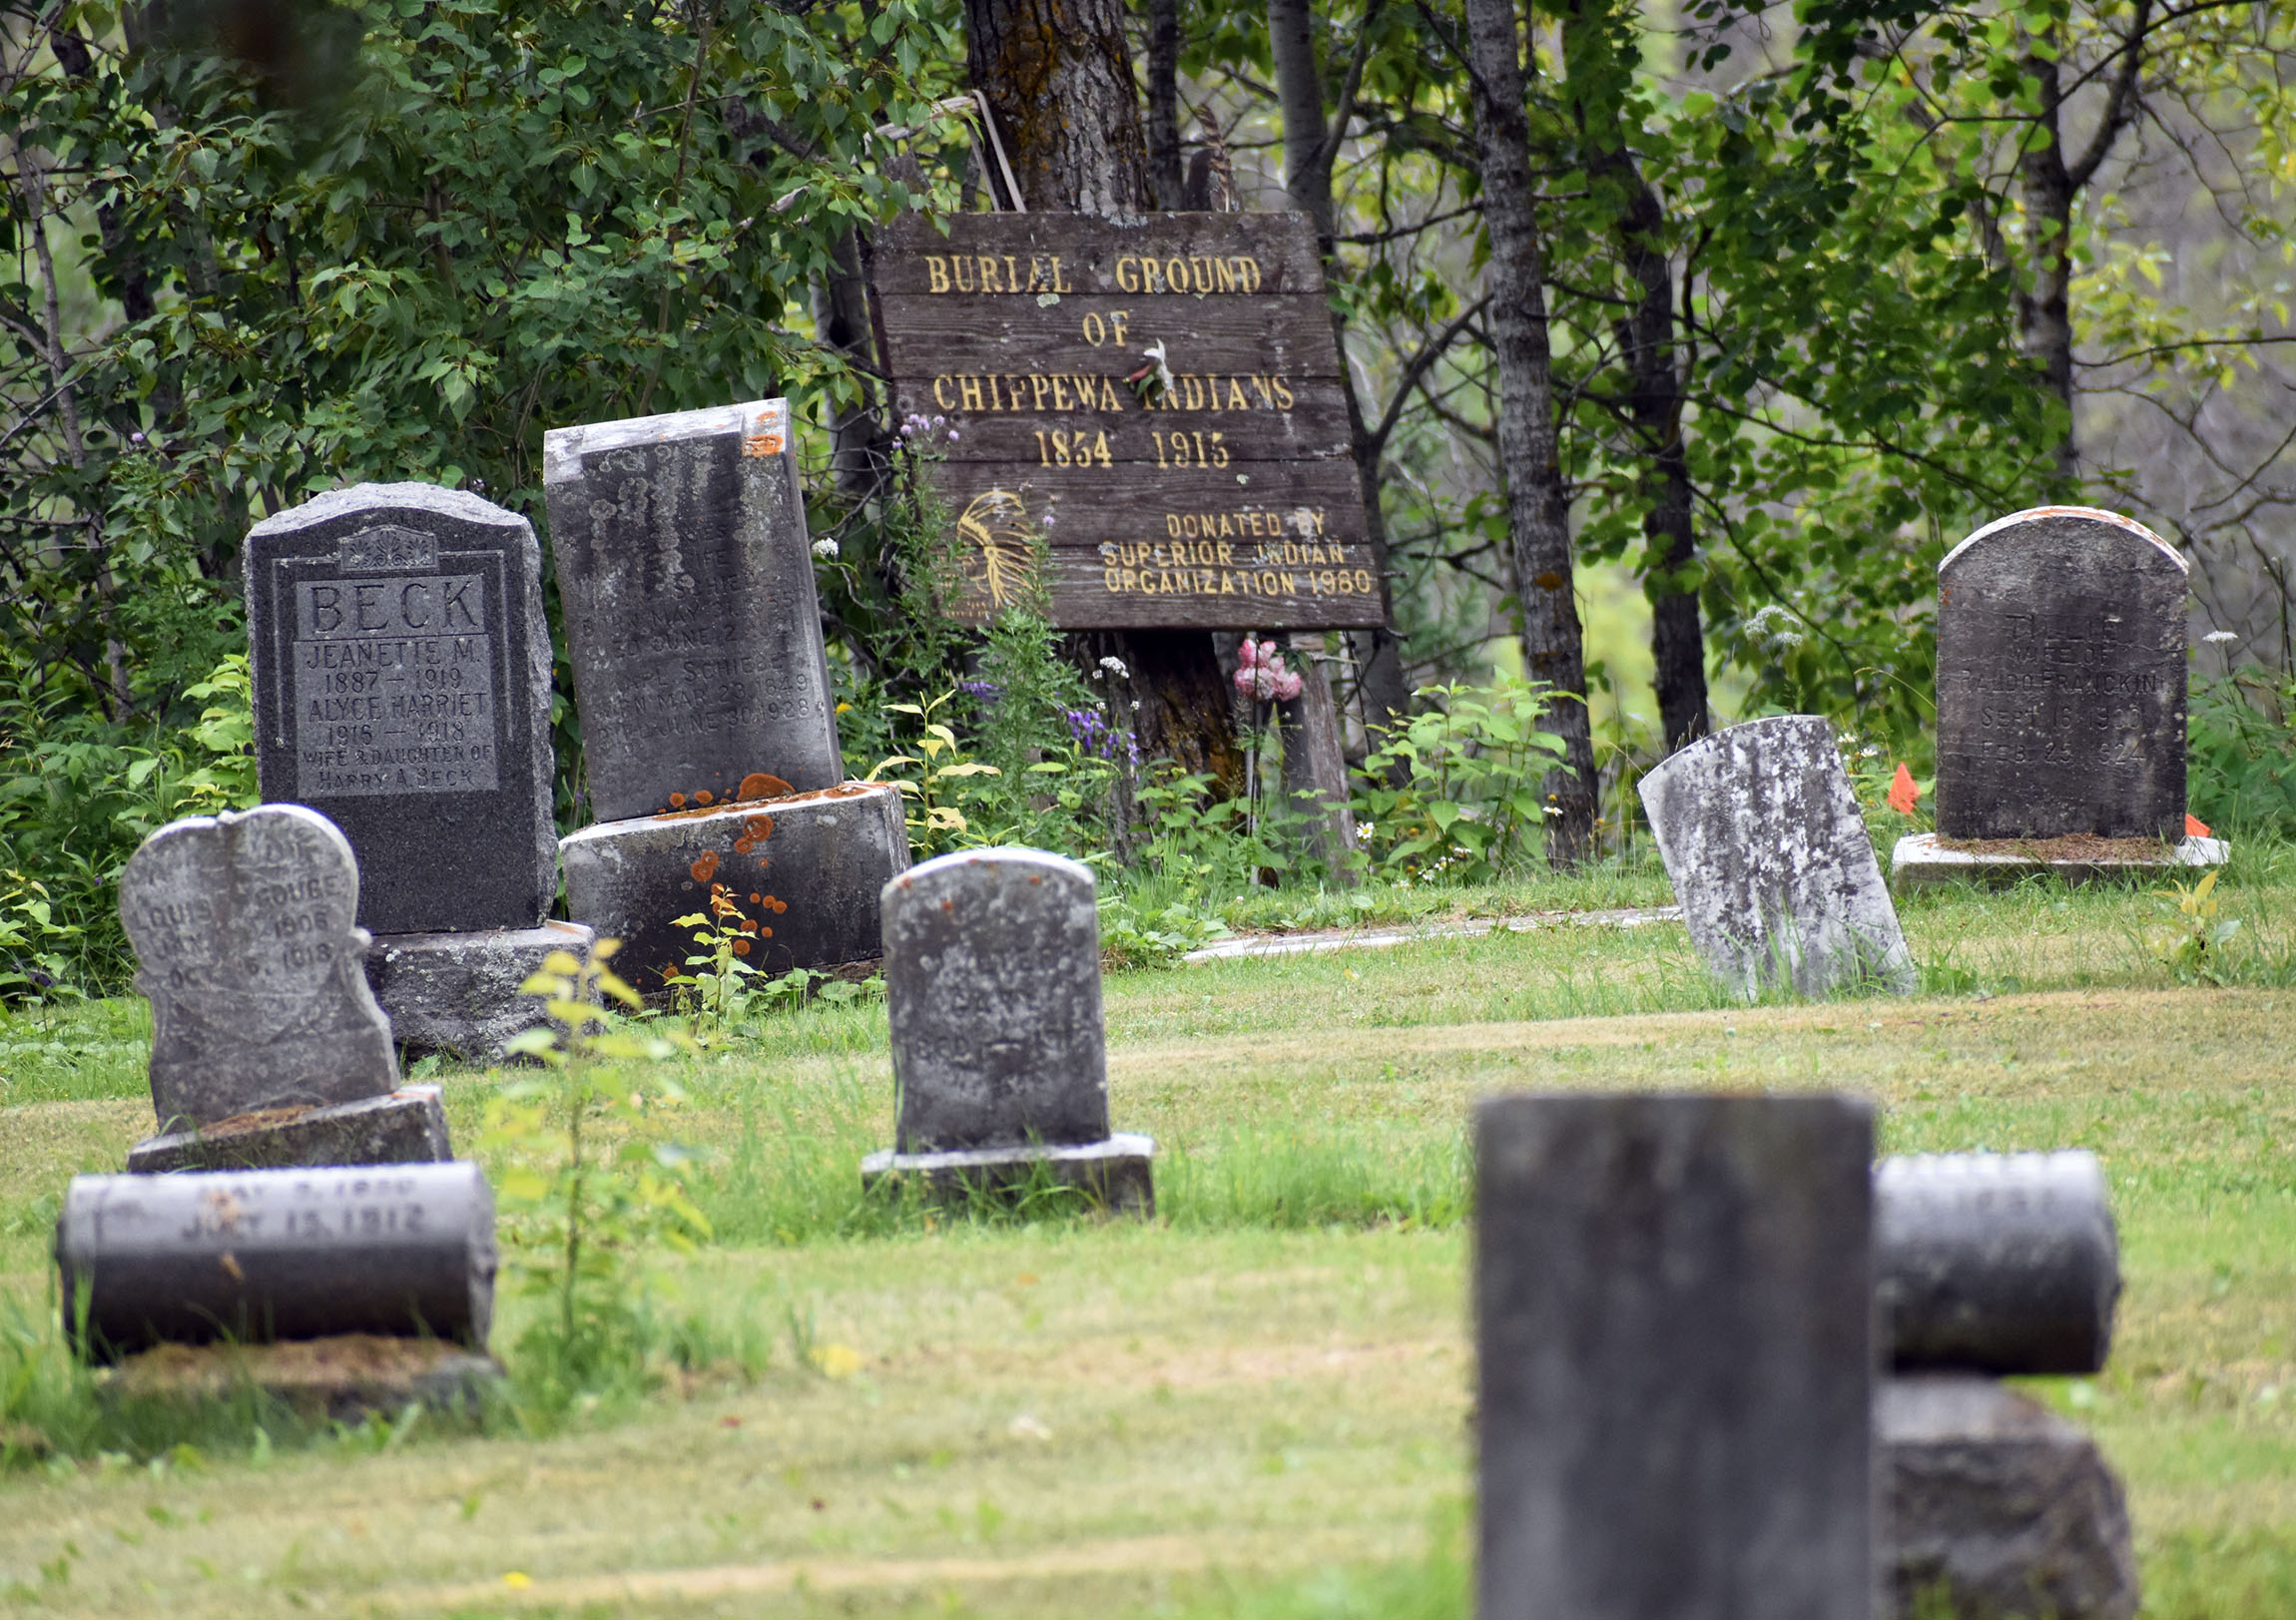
1258	1406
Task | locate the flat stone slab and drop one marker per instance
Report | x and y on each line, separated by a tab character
807	868
407	1126
1116	1173
339	1380
1919	858
1317	942
457	993
2003	1504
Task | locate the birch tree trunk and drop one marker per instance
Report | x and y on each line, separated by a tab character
1538	515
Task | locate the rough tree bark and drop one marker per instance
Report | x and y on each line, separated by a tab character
1539	517
1646	337
1058	81
1164	170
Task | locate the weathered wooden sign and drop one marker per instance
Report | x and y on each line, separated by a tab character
1159	402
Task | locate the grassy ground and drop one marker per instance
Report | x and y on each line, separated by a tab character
1258	1406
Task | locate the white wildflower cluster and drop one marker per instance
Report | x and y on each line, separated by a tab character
1113	669
826	550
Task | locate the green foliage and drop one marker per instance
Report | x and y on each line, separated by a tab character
1472	768
585	1180
2241	769
2193	949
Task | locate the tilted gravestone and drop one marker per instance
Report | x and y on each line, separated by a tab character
1674	1341
401	668
1762	842
694	630
2062	673
992	980
257	1255
247	948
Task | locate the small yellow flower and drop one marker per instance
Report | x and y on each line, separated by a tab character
837	1360
518	1580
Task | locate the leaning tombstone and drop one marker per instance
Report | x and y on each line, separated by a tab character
1759	832
2061	681
401	669
1675	1357
992	980
267	1047
708	725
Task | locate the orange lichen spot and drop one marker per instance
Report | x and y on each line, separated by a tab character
705	796
948	905
765	933
1035	878
762	785
754	898
677	801
779	905
706	868
759	826
741	947
743	847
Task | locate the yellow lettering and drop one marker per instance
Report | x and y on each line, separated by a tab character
1108	399
1011	276
1108	578
1201	268
1117	318
1060	394
988	274
1236	399
1172	524
1225	272
1227	553
1191	390
1039	387
1251	275
1283	394
935	272
1227	584
968	390
1128	273
941	394
1266	395
1095	331
1059	286
964	269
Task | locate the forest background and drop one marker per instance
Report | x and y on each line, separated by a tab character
1818	289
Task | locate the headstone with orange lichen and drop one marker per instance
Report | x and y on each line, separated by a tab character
708	727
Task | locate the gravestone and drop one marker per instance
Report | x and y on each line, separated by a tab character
401	668
2061	676
1675	1357
1759	832
262	1021
405	1250
993	984
694	630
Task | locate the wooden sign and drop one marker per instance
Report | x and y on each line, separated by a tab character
1159	404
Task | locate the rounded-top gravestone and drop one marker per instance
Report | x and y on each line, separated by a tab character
402	670
244	931
2061	669
992	979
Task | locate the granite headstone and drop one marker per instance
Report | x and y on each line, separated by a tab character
1762	842
1675	1357
401	669
993	984
2062	671
247	948
691	620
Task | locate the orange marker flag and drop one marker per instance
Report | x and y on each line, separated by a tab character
1904	792
2195	826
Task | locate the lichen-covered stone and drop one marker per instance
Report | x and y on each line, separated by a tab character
1997	1508
807	869
401	669
459	993
247	953
2061	672
1768	855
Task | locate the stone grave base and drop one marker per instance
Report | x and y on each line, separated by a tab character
2003	1505
407	1126
339	1380
457	993
1117	1173
1921	859
807	868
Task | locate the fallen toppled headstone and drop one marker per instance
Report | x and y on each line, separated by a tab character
1762	842
407	1126
993	984
404	1250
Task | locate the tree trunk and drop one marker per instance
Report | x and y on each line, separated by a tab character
1313	764
1164	170
2044	311
1538	515
1646	337
1059	83
859	452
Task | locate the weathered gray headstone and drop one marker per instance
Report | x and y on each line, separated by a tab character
460	993
807	868
256	1255
1996	1263
407	1126
2062	671
247	948
1674	1338
1997	1508
992	982
692	621
1759	832
402	670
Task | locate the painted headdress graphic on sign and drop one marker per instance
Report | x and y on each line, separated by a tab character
1001	560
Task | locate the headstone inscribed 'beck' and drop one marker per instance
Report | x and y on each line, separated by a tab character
690	615
248	950
2061	669
1768	855
1675	1358
401	673
993	984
